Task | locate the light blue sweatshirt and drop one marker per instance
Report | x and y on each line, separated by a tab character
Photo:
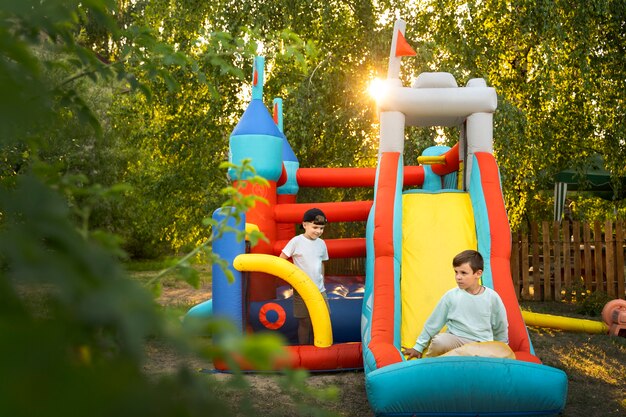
481	317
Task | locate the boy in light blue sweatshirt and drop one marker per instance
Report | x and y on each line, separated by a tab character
472	312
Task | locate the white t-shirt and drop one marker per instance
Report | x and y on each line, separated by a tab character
308	255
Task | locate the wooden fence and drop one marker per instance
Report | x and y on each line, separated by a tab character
556	259
345	266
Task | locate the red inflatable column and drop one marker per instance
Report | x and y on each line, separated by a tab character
261	286
285	231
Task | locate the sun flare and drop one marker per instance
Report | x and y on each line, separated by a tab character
377	88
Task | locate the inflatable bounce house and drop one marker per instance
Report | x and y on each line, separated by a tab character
260	298
412	236
420	218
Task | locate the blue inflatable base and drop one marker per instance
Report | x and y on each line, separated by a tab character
202	310
466	386
345	317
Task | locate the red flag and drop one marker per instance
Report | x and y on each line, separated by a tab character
402	46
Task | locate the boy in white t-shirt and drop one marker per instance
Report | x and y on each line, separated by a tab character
308	252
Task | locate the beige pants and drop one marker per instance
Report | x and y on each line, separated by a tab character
484	349
447	344
444	342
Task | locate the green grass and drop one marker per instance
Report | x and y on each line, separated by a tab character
144	271
553	307
147	265
595	365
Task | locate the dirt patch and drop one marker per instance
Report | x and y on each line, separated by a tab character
182	294
267	390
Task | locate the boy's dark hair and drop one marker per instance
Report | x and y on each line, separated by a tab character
471	257
315	216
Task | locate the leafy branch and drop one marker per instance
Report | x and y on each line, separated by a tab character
238	204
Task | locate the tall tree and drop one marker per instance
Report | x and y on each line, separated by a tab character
556	66
319	59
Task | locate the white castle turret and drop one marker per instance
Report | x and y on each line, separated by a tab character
434	99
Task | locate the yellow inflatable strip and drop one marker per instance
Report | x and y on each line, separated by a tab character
435	228
431	160
300	281
564	323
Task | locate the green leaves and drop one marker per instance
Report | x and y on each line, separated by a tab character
74	325
239	203
548	63
41	249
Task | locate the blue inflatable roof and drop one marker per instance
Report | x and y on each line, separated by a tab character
256	120
288	154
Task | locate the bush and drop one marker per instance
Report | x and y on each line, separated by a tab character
593	303
587	302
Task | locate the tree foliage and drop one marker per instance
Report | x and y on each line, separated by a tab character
74	327
178	140
556	66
